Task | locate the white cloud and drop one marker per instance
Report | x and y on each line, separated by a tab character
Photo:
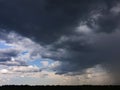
54	65
21	44
4	71
24	69
95	76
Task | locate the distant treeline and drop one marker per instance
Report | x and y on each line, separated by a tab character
66	87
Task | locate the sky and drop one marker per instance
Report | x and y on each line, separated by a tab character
59	42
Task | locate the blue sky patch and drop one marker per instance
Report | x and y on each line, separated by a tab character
24	52
38	63
4	45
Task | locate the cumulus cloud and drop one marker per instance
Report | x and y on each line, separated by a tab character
24	69
4	71
21	50
50	78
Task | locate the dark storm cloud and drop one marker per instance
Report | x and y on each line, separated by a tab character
8	63
6	58
6	55
108	23
109	50
46	21
12	53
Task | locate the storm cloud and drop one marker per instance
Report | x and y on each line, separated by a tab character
46	19
78	33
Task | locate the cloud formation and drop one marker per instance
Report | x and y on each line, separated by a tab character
27	76
78	33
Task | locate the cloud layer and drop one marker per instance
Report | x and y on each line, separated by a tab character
79	34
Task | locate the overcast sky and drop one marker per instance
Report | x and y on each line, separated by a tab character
59	42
